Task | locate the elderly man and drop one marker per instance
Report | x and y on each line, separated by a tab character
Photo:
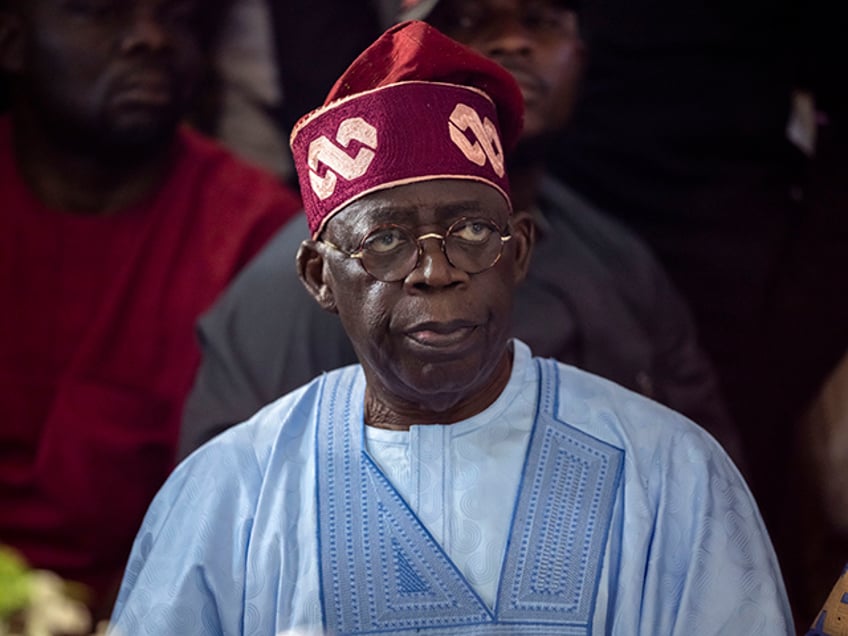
594	295
118	228
449	483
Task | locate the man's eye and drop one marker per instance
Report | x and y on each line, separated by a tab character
473	231
459	21
549	19
467	22
384	241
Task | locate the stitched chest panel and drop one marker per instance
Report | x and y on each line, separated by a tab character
381	570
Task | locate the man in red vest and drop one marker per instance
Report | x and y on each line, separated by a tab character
118	227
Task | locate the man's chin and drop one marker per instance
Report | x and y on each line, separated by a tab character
140	136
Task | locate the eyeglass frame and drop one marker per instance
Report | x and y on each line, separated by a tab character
360	250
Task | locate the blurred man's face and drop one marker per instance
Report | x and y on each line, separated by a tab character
538	41
119	72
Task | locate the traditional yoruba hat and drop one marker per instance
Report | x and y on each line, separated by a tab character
414	106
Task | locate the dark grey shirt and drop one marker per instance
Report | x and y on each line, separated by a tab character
595	297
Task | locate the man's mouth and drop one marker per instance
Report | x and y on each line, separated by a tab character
145	89
530	84
441	335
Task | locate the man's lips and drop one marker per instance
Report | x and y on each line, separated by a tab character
149	88
530	83
441	334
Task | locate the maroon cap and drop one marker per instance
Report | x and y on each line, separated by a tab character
414	106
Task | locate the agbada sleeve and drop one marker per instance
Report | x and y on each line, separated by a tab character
186	571
710	569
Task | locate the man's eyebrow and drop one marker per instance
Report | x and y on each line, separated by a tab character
458	208
399	214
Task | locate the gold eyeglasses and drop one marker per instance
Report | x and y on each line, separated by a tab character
391	252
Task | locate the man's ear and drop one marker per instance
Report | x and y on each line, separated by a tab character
312	273
523	239
11	42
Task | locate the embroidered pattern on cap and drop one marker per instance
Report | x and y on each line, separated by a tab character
338	162
487	144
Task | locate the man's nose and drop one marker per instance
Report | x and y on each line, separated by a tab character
433	269
145	30
507	35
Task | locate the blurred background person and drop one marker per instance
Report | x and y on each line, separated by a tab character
681	133
118	227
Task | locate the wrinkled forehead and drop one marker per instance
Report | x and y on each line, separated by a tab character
437	202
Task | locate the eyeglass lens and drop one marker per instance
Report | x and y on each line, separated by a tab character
390	253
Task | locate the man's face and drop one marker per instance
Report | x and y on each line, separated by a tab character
118	72
536	40
436	337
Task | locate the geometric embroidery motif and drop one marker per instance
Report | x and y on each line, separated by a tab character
487	143
409	581
381	571
323	151
415	585
561	524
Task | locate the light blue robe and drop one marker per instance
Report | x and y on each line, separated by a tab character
618	516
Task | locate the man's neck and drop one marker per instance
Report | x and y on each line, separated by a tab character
385	410
84	182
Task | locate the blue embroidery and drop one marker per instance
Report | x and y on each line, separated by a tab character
392	530
366	530
382	571
409	581
562	518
